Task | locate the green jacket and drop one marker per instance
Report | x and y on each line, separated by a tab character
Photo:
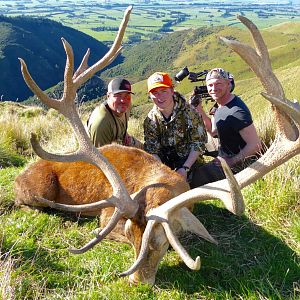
104	127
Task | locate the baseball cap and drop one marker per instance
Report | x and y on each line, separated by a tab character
119	85
218	73
159	79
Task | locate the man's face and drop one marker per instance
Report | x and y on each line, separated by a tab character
119	102
218	88
162	97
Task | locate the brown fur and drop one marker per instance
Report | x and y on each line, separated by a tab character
80	183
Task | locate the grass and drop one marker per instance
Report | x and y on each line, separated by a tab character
7	176
250	262
257	256
18	121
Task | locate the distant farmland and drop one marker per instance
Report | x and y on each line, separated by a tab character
149	21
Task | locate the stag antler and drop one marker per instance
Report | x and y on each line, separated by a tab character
285	146
287	113
124	205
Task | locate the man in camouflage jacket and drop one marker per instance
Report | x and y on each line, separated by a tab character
174	132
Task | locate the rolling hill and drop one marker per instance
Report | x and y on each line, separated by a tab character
38	42
201	49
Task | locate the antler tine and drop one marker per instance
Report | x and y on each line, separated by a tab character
110	55
85	207
144	249
69	86
101	235
51	156
50	102
84	64
173	240
77	208
189	222
291	109
260	45
115	56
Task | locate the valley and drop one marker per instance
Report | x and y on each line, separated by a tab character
151	19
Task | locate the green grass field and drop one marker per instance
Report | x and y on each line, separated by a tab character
148	19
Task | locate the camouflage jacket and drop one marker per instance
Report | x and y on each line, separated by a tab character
184	131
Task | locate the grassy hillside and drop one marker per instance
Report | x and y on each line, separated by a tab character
146	57
38	42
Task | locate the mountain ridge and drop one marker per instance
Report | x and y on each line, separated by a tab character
38	42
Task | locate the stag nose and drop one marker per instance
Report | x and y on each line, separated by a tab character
134	279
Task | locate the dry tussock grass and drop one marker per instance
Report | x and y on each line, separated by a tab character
6	286
18	124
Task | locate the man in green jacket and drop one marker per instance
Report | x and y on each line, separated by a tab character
109	121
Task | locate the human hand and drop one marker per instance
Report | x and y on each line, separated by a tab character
127	140
199	107
182	172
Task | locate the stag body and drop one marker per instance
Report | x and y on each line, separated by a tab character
77	183
81	183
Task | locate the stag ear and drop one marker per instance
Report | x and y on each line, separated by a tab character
190	223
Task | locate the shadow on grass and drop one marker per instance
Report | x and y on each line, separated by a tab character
69	216
248	259
37	248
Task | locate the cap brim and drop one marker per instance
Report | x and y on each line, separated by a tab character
122	91
154	86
